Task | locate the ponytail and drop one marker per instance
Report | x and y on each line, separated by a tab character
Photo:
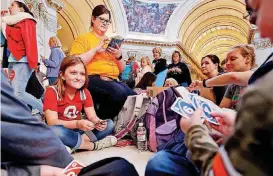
24	6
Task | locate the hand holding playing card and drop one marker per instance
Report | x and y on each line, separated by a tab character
73	169
101	125
226	120
195	119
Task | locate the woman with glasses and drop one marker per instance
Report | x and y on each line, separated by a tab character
104	64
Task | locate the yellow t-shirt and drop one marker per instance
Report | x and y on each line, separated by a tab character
103	64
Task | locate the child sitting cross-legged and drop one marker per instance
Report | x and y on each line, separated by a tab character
63	104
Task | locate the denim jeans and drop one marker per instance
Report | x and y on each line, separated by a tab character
109	96
52	80
19	84
73	139
171	159
170	163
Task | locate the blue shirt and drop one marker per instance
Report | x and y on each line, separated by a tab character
54	61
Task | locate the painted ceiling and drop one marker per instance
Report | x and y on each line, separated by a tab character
201	26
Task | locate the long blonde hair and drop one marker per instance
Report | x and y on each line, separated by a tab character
148	61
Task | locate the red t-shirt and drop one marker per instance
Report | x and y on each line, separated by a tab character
67	109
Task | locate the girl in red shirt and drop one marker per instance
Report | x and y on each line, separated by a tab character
64	103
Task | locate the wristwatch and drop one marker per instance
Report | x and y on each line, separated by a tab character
120	57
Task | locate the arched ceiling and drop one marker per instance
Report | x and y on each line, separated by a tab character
201	26
213	27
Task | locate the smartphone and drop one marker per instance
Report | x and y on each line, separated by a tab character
115	41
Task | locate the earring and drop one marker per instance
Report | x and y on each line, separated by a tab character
63	78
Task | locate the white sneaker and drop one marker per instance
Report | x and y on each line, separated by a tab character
108	141
68	149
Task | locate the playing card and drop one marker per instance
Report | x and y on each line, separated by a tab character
183	107
184	93
194	100
207	109
73	169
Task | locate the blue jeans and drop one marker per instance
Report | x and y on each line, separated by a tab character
170	163
19	84
73	139
109	96
52	80
171	159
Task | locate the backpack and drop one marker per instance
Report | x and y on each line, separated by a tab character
133	109
128	74
160	121
34	86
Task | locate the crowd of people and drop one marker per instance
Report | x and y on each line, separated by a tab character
86	93
147	17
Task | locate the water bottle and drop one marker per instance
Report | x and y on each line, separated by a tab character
141	138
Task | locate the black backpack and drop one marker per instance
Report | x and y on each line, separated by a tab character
34	86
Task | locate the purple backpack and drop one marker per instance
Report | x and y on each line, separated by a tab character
160	121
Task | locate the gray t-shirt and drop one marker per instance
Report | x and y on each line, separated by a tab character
234	92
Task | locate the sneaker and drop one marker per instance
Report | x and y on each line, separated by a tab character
68	149
108	141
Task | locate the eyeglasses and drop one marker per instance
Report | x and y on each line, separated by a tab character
103	20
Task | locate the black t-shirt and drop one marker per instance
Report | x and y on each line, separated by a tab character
219	93
160	65
180	77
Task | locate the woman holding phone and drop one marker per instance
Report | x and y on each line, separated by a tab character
104	64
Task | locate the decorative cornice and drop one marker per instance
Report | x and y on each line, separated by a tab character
251	35
40	11
149	42
58	4
262	43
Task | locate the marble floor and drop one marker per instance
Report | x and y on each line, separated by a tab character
138	159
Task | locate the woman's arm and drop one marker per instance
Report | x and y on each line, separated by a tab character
28	30
88	56
91	114
237	78
54	59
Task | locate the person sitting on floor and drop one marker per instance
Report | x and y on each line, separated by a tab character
64	103
148	80
170	82
29	146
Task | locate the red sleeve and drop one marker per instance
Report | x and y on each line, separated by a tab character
89	101
50	100
28	29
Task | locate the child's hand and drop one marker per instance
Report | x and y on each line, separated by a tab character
101	125
226	120
85	125
195	119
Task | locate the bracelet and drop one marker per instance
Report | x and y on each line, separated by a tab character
204	83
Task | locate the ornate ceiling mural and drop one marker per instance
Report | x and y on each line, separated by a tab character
151	18
199	27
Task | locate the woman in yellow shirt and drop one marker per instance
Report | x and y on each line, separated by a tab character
103	65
